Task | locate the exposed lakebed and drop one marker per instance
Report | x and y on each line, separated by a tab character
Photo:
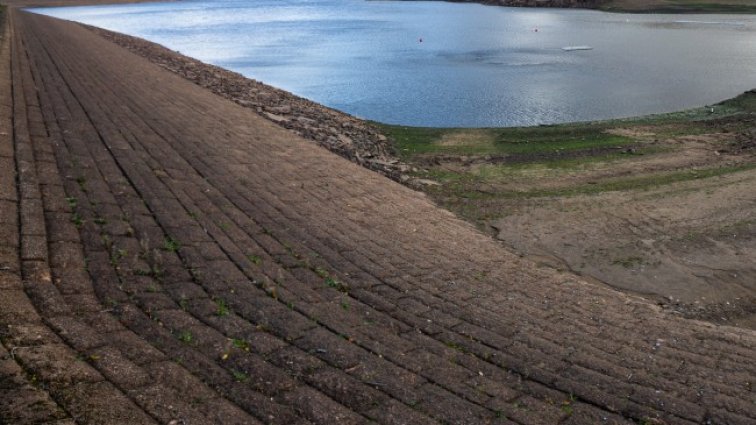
446	64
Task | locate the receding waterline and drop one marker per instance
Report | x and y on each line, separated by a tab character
455	65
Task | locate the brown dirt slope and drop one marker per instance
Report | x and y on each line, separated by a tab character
167	256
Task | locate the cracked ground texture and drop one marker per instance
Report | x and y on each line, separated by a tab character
167	256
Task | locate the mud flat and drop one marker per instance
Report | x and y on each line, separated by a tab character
170	256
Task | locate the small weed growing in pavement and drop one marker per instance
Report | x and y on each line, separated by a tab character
255	259
82	183
152	288
185	337
567	405
156	272
223	226
629	262
290	305
321	272
333	283
100	221
222	309
344	305
76	219
241	344
72	202
455	346
116	255
519	405
183	303
239	376
170	244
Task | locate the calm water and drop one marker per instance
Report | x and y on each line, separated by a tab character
475	66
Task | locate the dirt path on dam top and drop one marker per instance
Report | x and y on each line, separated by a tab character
168	256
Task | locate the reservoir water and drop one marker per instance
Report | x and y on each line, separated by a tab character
452	64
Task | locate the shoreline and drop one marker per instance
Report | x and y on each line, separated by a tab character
350	137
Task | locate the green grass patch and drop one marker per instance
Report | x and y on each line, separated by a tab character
413	141
221	308
463	186
186	337
255	259
170	244
746	102
239	376
554	139
490	172
629	262
241	344
644	182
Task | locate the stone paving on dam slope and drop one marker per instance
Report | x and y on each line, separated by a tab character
167	256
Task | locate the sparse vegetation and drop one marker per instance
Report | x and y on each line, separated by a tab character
321	272
239	376
241	344
629	262
170	244
567	405
334	283
255	259
481	169
186	337
76	219
221	308
82	182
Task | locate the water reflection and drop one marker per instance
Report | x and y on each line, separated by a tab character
447	64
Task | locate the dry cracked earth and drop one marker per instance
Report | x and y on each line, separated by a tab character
168	256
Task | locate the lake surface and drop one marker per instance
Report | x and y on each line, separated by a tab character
451	64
